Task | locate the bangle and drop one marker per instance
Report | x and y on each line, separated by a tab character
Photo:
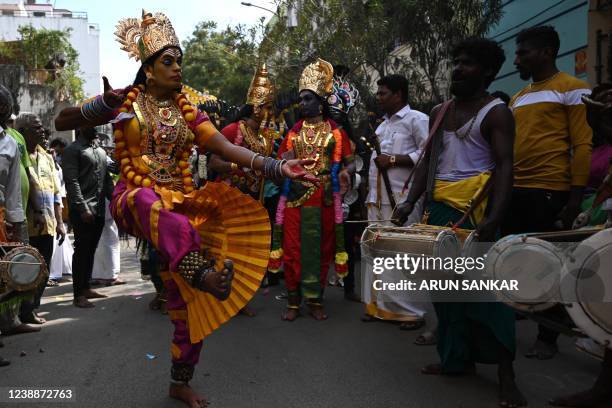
95	109
253	159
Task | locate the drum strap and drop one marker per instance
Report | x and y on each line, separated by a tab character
436	147
428	144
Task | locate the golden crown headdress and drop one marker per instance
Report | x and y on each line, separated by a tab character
143	38
261	90
318	78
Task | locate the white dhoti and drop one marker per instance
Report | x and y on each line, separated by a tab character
399	306
61	261
107	260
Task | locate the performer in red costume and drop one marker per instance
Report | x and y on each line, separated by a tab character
308	231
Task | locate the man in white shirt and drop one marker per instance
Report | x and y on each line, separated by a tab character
401	137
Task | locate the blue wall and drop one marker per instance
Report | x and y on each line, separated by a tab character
570	19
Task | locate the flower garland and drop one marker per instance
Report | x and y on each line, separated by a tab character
341	257
133	170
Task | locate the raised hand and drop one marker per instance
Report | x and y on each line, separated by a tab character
113	98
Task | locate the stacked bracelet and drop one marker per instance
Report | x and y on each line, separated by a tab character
253	159
95	109
273	169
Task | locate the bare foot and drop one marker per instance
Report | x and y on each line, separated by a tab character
247	311
32	318
290	314
21	329
219	284
585	399
82	302
317	312
509	394
92	294
185	393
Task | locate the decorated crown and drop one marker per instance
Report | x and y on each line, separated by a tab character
344	95
143	38
317	77
261	90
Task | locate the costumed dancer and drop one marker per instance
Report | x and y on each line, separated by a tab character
155	128
308	231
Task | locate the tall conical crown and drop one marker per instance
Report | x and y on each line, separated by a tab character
143	38
261	90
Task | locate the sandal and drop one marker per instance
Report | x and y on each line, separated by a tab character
51	283
409	326
427	338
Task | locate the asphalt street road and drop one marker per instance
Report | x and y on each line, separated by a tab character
117	355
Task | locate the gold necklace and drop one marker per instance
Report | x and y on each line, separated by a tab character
256	142
165	112
310	144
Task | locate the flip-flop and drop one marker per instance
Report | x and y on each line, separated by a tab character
426	339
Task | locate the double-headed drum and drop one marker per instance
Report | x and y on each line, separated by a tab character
415	241
586	286
22	268
533	260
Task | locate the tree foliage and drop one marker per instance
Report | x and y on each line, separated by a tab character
38	47
221	61
376	37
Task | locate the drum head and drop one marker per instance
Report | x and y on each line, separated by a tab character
586	286
473	248
358	163
534	263
23	268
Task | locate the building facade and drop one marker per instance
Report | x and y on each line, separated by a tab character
84	36
570	18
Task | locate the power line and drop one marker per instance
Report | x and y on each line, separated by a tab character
529	19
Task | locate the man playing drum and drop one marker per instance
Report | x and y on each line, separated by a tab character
11	209
474	144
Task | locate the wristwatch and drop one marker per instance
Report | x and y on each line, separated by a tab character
392	161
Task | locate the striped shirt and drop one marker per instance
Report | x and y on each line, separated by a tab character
552	149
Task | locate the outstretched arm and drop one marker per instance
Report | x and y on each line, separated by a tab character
95	112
